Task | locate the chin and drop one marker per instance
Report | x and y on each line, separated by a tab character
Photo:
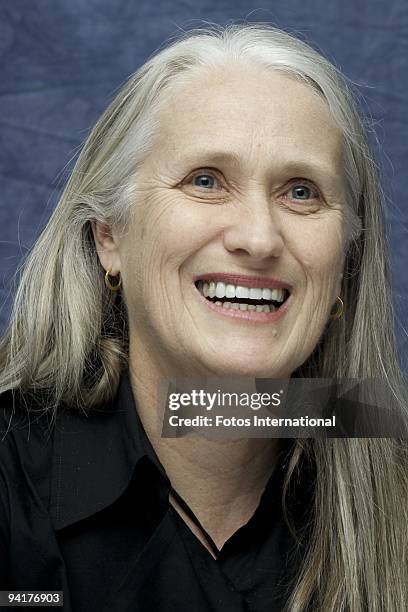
246	369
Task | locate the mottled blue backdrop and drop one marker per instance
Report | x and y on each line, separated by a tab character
62	60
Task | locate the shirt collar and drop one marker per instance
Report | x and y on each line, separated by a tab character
95	455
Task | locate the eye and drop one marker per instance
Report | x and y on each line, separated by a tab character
302	191
204	180
205	184
207	181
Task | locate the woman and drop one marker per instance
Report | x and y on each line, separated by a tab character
232	161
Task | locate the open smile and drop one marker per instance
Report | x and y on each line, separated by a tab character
256	299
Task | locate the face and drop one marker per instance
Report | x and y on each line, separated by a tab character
239	205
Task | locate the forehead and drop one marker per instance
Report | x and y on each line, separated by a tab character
245	110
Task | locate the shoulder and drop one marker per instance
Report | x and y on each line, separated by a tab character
26	443
23	425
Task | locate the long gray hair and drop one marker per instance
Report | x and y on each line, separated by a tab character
67	340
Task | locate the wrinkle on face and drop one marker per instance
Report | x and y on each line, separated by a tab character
229	106
258	130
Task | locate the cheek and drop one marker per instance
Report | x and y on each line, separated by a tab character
320	253
322	264
164	232
322	242
174	229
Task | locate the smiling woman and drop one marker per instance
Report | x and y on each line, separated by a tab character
223	219
243	220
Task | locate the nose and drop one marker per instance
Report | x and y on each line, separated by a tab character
255	231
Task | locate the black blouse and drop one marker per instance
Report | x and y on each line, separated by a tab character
84	509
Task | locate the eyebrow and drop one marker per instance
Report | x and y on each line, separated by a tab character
300	166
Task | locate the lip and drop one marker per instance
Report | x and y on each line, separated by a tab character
247	316
257	282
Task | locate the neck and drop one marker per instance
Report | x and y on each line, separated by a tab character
221	481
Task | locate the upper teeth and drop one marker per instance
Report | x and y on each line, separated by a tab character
220	290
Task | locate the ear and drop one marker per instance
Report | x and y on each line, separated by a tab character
106	247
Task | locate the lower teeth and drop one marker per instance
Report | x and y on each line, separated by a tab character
253	307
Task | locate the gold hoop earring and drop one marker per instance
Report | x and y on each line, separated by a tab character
339	309
109	284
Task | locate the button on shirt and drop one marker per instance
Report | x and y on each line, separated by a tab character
84	509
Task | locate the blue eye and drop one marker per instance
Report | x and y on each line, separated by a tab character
301	192
204	180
